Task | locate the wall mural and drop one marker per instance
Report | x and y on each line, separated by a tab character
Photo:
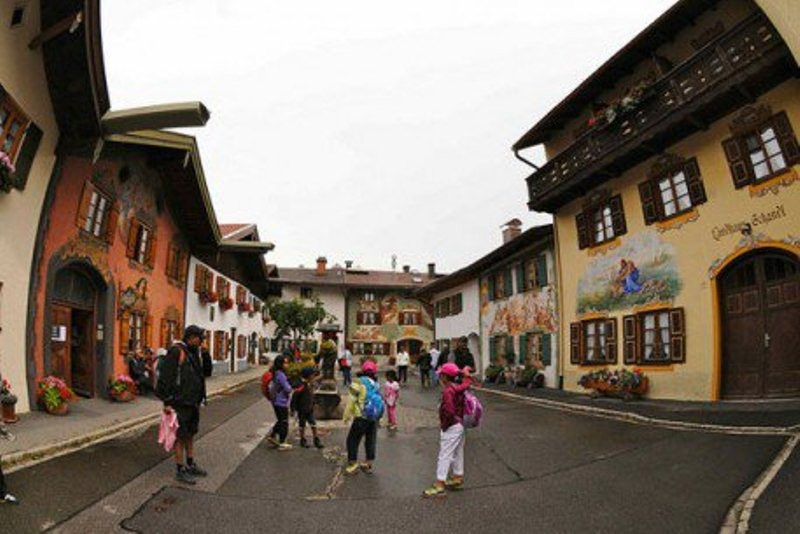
389	307
530	311
641	271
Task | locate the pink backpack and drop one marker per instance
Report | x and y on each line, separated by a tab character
473	410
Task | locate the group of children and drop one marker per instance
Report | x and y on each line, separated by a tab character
365	407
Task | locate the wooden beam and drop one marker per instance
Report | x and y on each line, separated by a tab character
696	122
69	23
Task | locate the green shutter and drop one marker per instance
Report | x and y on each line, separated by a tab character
509	349
273	344
520	277
492	350
491	287
509	284
541	270
523	344
547	348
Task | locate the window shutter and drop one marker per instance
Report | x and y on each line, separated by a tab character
183	266
26	155
786	138
490	280
541	270
227	345
520	277
509	349
611	340
583	231
164	333
124	332
83	207
547	348
617	215
629	339
697	192
148	331
649	202
575	343
523	348
198	275
152	246
492	350
172	258
677	334
508	283
736	153
133	234
111	223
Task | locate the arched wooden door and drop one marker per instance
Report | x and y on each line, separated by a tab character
760	318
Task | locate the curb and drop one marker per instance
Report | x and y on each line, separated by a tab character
635	418
22	459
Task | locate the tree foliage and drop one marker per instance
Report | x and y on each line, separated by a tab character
297	318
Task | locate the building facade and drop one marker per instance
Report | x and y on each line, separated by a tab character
676	207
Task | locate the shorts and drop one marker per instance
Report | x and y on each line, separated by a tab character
306	417
188	420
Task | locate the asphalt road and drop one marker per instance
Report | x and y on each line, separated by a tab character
527	469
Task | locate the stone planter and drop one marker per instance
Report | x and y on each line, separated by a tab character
61	409
123	396
10	412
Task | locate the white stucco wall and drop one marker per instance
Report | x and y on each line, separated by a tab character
23	77
200	314
333	300
466	323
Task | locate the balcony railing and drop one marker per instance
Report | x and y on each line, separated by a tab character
720	60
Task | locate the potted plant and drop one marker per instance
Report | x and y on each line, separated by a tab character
225	303
244	307
6	170
122	388
8	401
492	373
53	395
207	296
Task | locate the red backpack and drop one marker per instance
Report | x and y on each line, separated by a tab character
266	380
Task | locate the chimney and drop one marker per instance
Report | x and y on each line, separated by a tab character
406	268
431	270
322	262
348	264
511	230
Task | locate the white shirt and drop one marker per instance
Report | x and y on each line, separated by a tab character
403	358
434	358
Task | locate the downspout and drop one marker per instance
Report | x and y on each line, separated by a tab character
523	160
559	303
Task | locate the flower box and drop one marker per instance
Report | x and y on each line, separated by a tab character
619	383
225	303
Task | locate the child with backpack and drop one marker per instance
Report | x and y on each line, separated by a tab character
391	393
452	435
303	400
279	393
365	408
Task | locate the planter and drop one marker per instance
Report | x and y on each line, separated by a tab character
10	413
123	396
615	390
61	409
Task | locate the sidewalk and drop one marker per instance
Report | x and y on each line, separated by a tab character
40	436
756	413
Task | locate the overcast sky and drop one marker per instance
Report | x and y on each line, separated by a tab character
362	129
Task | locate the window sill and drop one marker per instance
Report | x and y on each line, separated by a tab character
773	185
604	247
656	367
677	221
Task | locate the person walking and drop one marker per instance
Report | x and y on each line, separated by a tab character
304	401
280	393
464	357
434	352
391	394
345	364
361	427
182	388
403	360
424	365
452	434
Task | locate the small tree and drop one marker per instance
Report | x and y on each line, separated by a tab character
297	318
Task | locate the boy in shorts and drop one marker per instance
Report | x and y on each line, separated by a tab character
304	399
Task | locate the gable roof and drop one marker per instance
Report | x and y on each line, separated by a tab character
229	230
351	278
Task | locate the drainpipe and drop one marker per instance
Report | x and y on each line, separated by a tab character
559	303
155	117
523	160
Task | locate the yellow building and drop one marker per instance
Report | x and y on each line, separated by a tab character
672	175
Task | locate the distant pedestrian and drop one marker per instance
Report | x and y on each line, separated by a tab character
364	409
280	394
424	365
434	362
391	394
464	358
345	365
181	387
403	360
452	434
303	399
5	496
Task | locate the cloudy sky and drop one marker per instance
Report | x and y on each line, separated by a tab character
360	129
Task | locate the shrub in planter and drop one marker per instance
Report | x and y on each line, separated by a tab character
527	377
492	372
122	388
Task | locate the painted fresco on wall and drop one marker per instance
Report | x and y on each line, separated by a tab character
641	271
530	311
389	306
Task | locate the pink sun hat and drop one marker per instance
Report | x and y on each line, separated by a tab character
450	369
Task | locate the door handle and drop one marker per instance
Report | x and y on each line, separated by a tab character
766	340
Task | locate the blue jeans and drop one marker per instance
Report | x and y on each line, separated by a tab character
346	374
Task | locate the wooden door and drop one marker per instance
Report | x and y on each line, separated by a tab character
61	328
761	327
82	351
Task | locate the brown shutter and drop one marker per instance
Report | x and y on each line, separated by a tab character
583	231
26	155
198	278
736	153
148	331
124	332
575	343
611	340
133	234
171	262
617	215
111	223
786	138
164	333
697	192
183	265
83	207
649	208
151	250
677	334
629	335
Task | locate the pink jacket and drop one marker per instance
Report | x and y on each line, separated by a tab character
168	431
391	392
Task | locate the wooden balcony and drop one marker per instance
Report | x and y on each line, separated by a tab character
730	71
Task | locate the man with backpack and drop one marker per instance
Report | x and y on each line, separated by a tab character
182	388
365	408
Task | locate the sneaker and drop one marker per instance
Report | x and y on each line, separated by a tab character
454	483
183	476
367	468
285	447
273	441
196	471
9	499
434	491
318	444
352	469
304	443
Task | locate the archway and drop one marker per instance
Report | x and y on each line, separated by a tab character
759	308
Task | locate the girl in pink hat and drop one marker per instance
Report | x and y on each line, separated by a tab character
452	434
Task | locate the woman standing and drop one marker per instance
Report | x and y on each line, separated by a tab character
280	392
